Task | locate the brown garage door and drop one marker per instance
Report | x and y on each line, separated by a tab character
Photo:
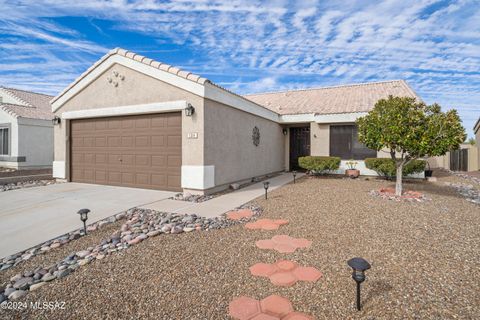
133	151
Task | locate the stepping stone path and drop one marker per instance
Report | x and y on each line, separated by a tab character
271	308
281	273
266	224
283	244
285	273
239	214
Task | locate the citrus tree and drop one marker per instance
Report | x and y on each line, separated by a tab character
409	130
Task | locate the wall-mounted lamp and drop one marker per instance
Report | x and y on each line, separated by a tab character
189	110
56	120
285	131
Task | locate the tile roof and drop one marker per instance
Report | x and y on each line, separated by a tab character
30	104
339	99
132	55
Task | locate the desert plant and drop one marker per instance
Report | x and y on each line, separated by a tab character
410	130
385	167
318	165
351	164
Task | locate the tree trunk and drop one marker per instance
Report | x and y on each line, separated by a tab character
398	184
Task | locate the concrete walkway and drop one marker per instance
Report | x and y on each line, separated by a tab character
31	216
221	204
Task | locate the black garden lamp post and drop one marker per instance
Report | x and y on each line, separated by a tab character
359	265
266	184
294	172
84	216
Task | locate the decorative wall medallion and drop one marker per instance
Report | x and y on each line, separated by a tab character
114	81
256	136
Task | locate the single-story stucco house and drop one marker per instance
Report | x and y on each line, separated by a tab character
26	129
132	121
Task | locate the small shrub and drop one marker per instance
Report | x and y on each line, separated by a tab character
319	164
385	167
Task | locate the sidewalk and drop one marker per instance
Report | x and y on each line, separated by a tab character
221	204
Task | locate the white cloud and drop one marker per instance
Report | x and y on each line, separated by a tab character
272	44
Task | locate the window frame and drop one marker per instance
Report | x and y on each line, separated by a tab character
5	128
355	149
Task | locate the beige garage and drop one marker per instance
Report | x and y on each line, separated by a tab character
143	151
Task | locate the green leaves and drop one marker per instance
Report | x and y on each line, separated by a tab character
319	164
411	128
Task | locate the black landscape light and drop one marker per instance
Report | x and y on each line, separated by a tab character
84	216
285	131
189	110
294	175
266	184
359	265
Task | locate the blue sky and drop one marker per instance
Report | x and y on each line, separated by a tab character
255	46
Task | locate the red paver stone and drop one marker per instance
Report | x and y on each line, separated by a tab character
283	279
240	214
297	316
307	274
263	269
265	244
301	243
270	226
252	226
283	243
276	306
285	273
284	248
282	239
286	265
244	308
281	222
264	316
265	224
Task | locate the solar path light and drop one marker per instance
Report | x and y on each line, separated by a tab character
359	266
266	184
84	216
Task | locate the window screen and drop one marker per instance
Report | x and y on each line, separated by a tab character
344	143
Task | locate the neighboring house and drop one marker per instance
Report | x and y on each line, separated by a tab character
132	121
26	130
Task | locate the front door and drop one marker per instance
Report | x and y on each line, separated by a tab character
299	145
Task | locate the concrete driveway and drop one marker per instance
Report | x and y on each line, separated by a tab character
33	215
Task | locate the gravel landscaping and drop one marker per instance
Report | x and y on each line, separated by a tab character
424	260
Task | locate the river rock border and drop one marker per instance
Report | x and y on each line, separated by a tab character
196	198
26	184
465	176
15	259
140	224
468	191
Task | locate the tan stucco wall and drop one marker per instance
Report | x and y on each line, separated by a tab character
444	161
229	146
319	139
136	88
